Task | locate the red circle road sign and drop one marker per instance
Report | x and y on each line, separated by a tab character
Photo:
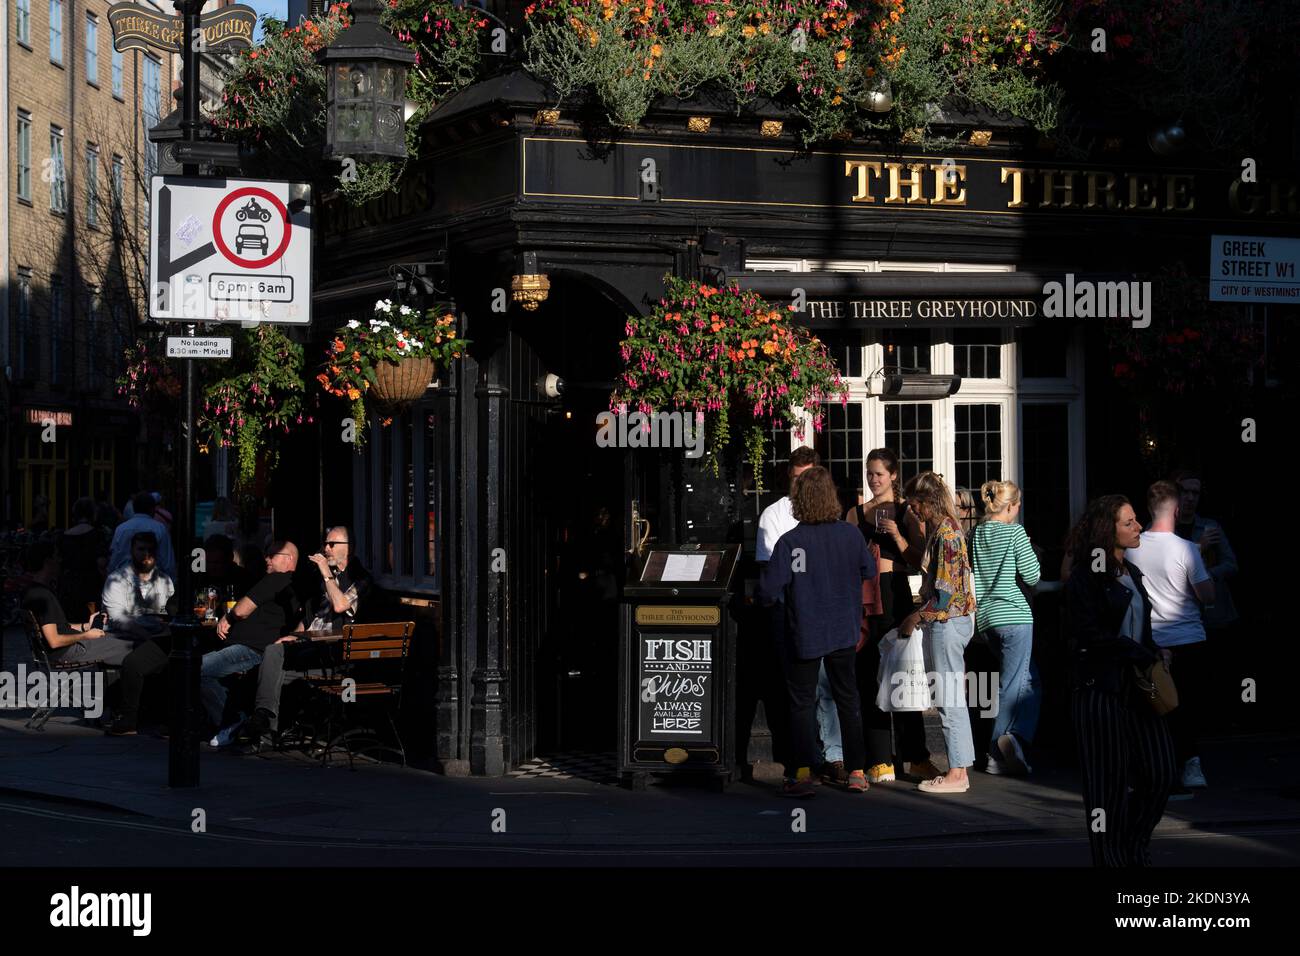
221	242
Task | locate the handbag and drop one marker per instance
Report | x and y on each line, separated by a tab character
871	602
1156	686
901	682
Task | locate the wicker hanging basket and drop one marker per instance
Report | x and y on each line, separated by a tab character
399	383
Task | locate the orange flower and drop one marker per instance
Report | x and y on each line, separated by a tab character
338	345
356	356
353	394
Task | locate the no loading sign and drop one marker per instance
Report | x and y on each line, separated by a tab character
251	220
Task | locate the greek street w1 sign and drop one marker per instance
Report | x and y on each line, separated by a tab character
230	250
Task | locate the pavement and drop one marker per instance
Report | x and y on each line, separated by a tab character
1255	789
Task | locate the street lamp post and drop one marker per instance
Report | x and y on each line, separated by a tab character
365	72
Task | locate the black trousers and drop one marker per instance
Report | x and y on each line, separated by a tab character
801	681
148	658
1192	670
896	599
1127	757
759	677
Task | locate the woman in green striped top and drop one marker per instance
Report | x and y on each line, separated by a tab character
1003	558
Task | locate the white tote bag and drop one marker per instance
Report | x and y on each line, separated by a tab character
901	682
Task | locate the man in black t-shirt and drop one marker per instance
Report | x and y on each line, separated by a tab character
262	617
82	643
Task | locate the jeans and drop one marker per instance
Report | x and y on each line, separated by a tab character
1019	691
945	655
801	680
828	724
231	659
147	659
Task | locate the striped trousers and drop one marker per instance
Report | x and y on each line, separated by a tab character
1127	758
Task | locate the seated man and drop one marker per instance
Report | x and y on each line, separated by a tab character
220	570
343	583
265	614
82	643
136	595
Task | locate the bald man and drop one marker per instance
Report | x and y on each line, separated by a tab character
266	613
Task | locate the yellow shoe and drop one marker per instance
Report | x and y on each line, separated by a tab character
924	769
881	773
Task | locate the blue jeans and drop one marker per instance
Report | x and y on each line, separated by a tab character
828	721
1020	694
945	657
231	659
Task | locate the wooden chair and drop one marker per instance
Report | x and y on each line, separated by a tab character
41	652
342	689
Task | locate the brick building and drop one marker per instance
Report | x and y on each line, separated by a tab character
73	228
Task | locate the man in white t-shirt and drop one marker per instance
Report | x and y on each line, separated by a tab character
776	520
1179	585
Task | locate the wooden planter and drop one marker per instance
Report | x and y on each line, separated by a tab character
399	383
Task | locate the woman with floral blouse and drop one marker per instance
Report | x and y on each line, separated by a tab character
947	619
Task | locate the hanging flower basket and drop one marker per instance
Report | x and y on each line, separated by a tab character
400	383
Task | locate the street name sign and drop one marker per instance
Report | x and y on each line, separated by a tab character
137	27
230	250
1254	269
198	347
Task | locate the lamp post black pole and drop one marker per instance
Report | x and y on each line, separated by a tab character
185	659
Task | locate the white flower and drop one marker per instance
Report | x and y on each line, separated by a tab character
407	310
416	344
353	323
382	305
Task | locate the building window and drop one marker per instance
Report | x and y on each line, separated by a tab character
57	332
24	21
909	430
94	344
395	518
24	155
116	196
840	445
846	348
25	353
58	175
906	350
1045	453
56	31
1043	350
92	49
118	74
977	455
92	186
151	113
977	353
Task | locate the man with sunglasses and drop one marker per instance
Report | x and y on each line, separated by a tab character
343	583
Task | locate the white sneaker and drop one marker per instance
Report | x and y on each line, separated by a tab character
995	767
1193	778
226	736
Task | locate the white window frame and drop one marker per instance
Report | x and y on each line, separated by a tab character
92	185
58	161
92	49
56	31
23	155
23	23
24	320
119	73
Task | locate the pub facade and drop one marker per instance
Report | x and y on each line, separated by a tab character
487	509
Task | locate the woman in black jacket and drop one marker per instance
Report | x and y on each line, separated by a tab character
1125	750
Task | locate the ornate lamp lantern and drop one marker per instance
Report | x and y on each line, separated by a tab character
365	70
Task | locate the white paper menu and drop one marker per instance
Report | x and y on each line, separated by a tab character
683	567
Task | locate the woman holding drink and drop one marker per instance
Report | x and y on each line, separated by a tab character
892	529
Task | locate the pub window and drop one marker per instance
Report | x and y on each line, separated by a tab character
977	353
151	114
840	445
906	350
1043	349
395	516
1045	455
846	348
977	453
909	430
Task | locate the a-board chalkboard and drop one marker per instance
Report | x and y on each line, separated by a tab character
675	682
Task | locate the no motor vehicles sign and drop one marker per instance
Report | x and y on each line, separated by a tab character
230	250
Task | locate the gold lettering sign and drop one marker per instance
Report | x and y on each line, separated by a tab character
677	615
139	28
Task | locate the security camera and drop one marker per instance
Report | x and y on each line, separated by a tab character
551	385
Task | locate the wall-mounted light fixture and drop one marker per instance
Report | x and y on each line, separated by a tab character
919	385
